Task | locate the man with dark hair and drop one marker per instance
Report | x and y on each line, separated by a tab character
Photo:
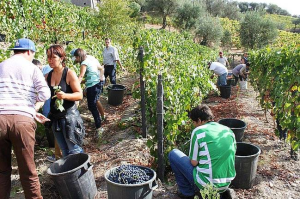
23	90
245	58
211	158
244	72
223	60
110	58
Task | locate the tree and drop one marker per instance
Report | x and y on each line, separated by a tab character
273	9
243	6
296	22
135	9
186	16
209	30
112	15
163	7
231	11
257	31
227	39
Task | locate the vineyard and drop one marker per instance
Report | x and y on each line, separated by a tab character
275	77
186	80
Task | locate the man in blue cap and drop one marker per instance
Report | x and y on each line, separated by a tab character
23	90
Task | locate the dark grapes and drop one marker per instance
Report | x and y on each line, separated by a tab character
129	174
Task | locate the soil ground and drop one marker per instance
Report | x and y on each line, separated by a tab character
278	176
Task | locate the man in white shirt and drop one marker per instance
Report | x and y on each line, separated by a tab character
110	58
222	60
220	70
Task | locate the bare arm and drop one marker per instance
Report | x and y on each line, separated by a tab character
194	163
73	81
118	61
82	72
38	106
101	70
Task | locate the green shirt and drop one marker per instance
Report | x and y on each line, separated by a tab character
213	146
92	73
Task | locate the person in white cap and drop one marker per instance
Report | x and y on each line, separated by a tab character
23	90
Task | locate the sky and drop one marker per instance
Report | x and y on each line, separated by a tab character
292	6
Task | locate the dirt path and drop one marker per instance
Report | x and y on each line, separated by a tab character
277	175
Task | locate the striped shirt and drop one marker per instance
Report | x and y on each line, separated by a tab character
22	84
213	147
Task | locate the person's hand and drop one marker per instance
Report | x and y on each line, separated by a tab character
60	95
41	118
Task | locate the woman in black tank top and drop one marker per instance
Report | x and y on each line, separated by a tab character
70	91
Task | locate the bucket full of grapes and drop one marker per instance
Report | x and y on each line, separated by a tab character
130	182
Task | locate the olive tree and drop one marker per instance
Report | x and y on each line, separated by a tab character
209	30
186	16
257	31
296	22
163	7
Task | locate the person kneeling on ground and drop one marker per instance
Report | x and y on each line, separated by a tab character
211	158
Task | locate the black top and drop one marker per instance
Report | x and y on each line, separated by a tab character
65	88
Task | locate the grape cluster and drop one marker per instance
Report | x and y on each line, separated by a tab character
128	174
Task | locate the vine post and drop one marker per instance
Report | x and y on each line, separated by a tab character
160	127
142	87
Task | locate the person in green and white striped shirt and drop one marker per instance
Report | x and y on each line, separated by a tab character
211	157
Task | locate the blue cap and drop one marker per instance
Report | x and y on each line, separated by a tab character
72	52
24	44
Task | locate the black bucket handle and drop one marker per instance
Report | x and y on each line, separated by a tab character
87	166
153	185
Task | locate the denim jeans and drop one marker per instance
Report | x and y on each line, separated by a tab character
66	146
46	107
110	70
222	81
92	95
183	171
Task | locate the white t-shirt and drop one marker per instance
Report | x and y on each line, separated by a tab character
222	60
218	68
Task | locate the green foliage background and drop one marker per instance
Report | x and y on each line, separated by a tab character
186	81
275	74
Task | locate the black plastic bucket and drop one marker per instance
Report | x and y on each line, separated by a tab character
115	94
237	126
231	82
130	191
73	177
225	91
246	159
